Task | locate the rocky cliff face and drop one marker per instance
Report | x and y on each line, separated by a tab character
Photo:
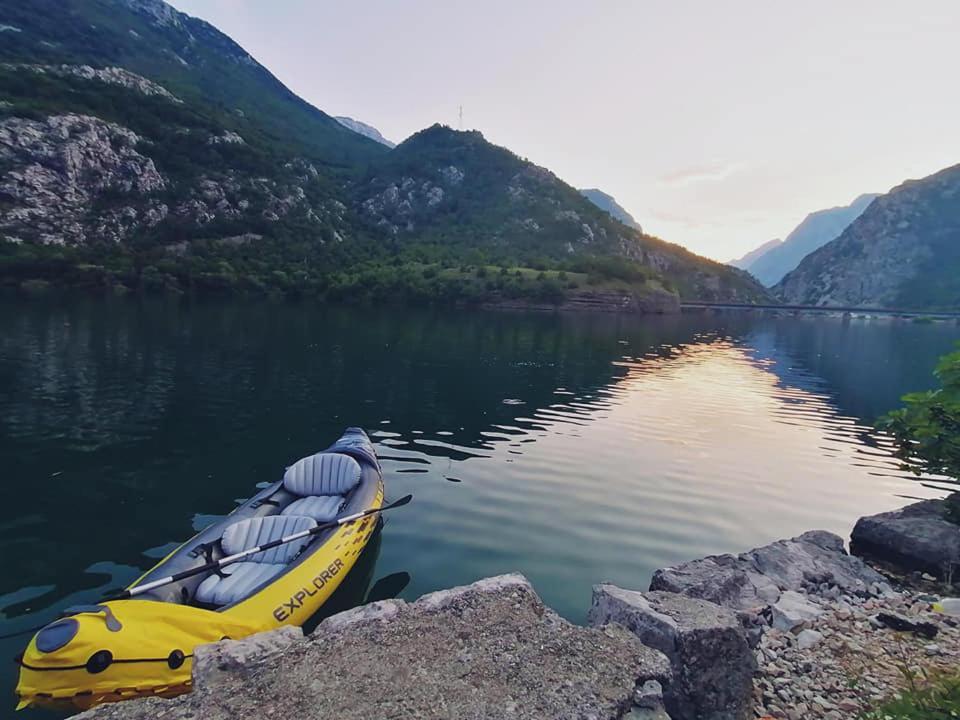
903	251
76	179
57	169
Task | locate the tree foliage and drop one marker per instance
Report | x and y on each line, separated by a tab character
927	429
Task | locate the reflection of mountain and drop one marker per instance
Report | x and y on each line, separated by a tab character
864	366
62	373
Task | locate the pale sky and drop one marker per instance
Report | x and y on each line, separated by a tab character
719	124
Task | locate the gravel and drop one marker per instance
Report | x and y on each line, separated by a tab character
852	662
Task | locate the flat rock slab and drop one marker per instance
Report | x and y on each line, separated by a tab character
488	650
793	610
756	578
711	661
916	537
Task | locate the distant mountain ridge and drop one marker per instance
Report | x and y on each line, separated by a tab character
364	129
607	202
816	230
747	260
902	252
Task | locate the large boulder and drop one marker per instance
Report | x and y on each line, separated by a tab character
755	579
488	650
917	537
711	661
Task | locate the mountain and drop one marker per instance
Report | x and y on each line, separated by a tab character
902	252
142	149
751	257
364	129
187	56
816	230
608	203
450	190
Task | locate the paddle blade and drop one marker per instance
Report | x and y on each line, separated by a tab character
398	503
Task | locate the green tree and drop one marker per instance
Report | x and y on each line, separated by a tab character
926	431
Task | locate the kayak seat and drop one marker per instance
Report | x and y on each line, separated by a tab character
322	481
240	579
322	474
322	508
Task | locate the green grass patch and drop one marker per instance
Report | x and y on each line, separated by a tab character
936	700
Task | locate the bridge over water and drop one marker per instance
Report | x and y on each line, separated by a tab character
822	310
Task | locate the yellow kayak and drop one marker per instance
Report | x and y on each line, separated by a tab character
143	646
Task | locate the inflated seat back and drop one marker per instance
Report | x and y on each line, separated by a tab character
247	534
322	474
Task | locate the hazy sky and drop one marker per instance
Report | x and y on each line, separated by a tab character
717	124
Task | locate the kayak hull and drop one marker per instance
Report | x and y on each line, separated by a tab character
151	652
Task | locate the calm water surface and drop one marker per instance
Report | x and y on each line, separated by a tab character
574	449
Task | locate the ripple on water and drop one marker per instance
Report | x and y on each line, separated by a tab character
686	452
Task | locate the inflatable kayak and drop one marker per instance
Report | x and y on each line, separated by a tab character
144	645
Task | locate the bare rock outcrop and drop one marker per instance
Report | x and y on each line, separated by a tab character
397	206
487	650
110	75
55	170
755	579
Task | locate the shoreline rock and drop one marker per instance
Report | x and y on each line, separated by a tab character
753	583
917	537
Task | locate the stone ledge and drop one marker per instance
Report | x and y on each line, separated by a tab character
487	650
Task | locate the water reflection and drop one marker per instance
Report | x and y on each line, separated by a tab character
574	449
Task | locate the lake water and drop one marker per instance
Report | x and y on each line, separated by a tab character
574	449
